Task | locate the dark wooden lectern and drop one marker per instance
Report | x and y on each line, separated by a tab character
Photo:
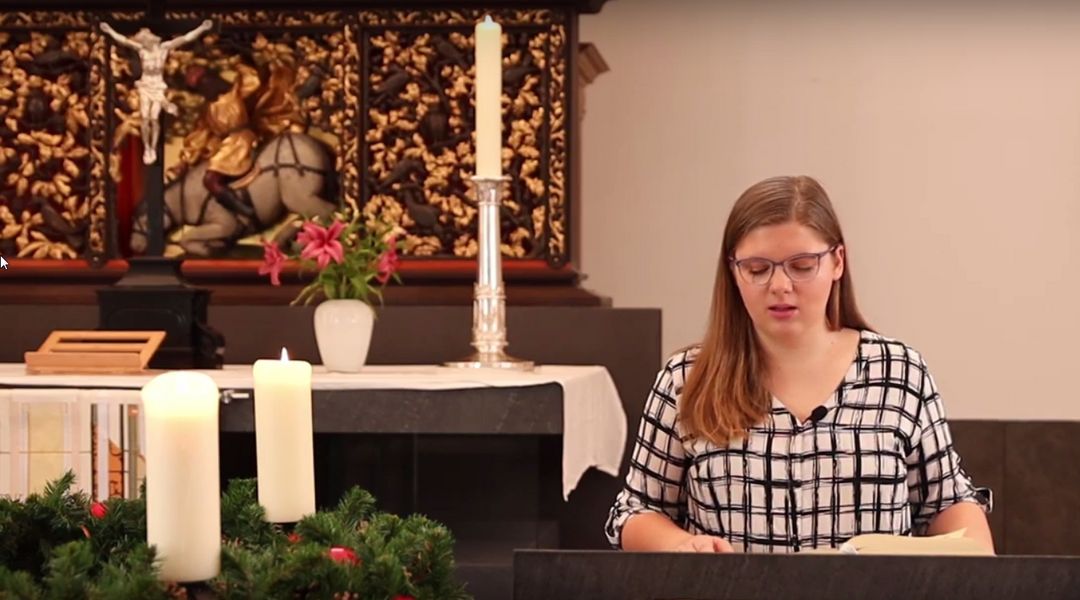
604	575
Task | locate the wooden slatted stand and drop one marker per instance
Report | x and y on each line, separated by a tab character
94	352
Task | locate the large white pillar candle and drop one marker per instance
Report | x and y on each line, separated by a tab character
488	99
183	495
284	439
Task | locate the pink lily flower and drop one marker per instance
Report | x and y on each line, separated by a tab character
321	243
273	261
388	262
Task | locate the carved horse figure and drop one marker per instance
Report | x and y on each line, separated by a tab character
290	174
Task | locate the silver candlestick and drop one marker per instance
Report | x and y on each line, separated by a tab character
489	296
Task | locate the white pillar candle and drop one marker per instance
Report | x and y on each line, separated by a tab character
283	438
488	99
183	495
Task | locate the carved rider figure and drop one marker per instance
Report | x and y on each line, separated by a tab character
233	125
151	86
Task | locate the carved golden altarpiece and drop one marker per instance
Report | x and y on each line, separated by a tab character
387	93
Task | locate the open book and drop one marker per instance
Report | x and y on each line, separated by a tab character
948	544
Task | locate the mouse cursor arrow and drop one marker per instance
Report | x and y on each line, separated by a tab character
3	263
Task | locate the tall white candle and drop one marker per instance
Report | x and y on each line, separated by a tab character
283	438
488	99
183	495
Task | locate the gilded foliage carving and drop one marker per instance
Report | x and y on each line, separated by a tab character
418	130
390	91
263	18
48	206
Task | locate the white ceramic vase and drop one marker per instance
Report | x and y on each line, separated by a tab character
343	333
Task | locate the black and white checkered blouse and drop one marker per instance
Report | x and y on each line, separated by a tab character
880	460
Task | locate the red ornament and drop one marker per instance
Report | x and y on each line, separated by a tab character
341	554
98	510
403	597
294	538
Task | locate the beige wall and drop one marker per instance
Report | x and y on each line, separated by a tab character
948	137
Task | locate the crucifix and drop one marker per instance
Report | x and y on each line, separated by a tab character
151	87
152	294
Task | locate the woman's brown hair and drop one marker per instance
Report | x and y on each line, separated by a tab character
725	394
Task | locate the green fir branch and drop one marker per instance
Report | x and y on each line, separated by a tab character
69	572
54	548
18	585
243	519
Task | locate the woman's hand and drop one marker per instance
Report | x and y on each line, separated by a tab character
703	543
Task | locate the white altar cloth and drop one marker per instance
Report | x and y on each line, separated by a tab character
594	423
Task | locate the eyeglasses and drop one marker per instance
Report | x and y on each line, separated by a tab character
801	267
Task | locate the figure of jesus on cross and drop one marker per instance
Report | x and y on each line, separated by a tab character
151	86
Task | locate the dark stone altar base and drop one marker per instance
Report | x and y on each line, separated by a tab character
502	490
496	487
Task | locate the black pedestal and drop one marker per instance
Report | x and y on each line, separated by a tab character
544	574
153	296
